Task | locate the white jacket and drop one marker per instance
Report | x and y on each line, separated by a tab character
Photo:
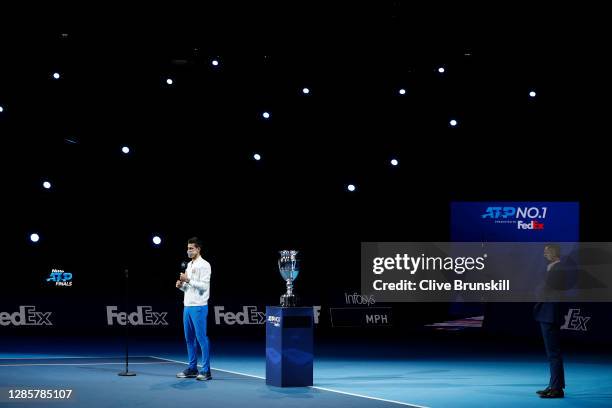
197	291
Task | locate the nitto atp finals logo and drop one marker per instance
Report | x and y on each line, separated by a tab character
525	218
60	278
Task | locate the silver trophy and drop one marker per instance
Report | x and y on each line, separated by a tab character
289	267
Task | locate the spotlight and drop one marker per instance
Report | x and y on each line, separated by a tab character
531	94
215	62
351	187
394	162
56	75
257	156
169	81
402	91
453	122
266	115
125	149
441	70
34	237
305	91
156	240
47	185
1	109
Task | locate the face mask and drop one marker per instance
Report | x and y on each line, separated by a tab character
191	254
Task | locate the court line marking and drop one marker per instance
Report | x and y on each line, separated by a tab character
168	361
312	386
61	358
74	364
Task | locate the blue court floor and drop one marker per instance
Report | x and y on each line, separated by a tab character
356	376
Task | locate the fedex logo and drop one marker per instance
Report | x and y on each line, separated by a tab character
248	315
531	225
26	316
251	315
574	321
143	316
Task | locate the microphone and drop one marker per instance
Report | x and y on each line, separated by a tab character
184	265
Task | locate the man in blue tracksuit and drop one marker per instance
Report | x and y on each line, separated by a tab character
195	282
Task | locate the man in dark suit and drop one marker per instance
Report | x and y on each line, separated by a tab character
548	314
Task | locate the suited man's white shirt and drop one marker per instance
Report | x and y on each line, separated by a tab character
197	290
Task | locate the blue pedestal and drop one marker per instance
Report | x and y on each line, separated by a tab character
289	343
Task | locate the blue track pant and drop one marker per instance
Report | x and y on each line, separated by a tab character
194	323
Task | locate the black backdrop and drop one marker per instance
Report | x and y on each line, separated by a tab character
190	170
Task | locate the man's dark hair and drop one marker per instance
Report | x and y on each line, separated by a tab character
195	241
555	248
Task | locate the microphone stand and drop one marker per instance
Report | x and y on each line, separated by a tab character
126	372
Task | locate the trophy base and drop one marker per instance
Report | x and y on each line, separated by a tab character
288	300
